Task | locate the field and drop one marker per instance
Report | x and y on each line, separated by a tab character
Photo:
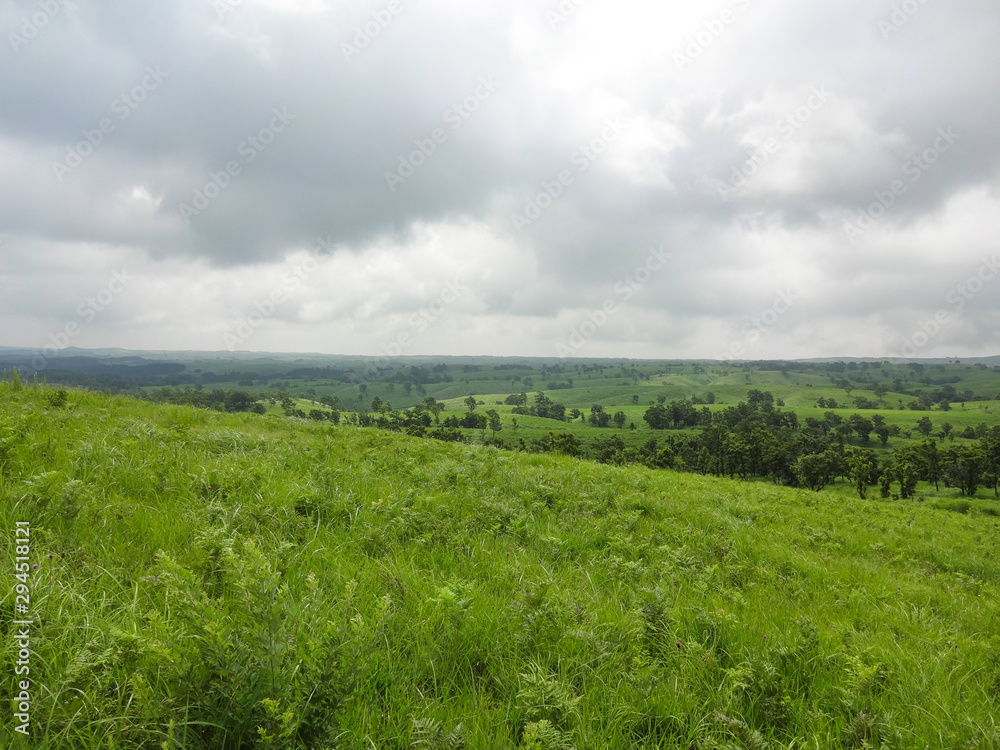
212	580
889	411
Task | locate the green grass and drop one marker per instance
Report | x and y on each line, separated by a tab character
232	581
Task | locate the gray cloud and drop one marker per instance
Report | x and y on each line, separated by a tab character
479	110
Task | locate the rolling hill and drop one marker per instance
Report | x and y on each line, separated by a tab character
209	580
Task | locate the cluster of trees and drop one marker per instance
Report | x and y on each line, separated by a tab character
233	400
676	415
965	467
600	418
755	439
418	420
543	407
612	450
216	399
554	386
859	403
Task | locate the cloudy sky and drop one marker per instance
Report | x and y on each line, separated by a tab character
739	179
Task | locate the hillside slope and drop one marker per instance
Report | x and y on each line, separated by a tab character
233	581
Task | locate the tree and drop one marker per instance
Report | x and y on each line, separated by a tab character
906	468
619	419
965	468
635	400
880	391
564	443
657	417
333	402
238	401
760	400
815	470
473	421
683	414
991	458
495	425
863	427
881	428
862	469
547	408
931	462
885	483
431	404
924	426
598	417
470	403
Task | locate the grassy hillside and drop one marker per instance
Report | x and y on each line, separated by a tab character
211	580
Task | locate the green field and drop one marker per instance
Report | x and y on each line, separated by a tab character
209	580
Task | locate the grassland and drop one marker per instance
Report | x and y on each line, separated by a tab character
211	580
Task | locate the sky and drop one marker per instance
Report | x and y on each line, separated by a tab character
745	179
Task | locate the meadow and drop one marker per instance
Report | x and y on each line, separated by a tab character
212	580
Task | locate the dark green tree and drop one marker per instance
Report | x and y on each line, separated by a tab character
862	468
965	468
494	421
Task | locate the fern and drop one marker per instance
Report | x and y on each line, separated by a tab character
428	733
750	739
859	731
542	735
547	698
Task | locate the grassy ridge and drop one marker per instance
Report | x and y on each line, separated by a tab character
209	580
